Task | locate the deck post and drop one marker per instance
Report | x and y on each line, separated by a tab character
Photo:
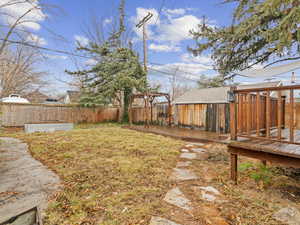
258	113
264	162
233	117
248	113
268	111
279	116
291	115
234	164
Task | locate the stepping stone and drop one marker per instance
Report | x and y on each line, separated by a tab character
183	164
188	156
288	215
183	174
208	197
199	150
194	144
210	189
177	198
184	150
161	221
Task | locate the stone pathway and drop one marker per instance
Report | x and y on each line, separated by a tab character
24	182
177	199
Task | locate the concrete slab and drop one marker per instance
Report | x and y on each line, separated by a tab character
25	182
161	221
48	127
183	175
177	198
184	164
188	156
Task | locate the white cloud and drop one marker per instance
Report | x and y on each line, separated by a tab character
36	39
164	48
12	12
90	62
81	39
55	56
174	27
172	12
205	60
107	21
178	29
190	70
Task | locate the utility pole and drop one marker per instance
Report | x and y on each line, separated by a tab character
293	78
143	23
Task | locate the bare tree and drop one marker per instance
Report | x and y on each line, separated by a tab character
20	19
17	71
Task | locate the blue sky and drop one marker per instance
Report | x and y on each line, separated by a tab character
167	31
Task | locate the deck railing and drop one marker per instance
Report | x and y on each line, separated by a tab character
264	113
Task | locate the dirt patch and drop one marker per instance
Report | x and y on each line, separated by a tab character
291	192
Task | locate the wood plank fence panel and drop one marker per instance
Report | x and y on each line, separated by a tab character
13	114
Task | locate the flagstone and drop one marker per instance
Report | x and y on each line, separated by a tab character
177	198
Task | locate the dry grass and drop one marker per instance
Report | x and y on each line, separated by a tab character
110	175
114	176
249	202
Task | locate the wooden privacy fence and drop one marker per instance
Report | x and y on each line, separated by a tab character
210	117
160	114
13	114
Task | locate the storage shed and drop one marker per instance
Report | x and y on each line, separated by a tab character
208	108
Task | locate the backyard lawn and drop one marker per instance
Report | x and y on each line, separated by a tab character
116	176
110	175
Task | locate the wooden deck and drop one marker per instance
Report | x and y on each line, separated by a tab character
263	127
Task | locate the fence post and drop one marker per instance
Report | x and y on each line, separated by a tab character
169	110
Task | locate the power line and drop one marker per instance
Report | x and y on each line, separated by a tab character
171	74
160	10
178	69
45	49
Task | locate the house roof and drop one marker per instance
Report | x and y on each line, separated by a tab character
271	71
215	95
74	96
36	97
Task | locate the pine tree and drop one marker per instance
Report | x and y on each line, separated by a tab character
262	30
116	74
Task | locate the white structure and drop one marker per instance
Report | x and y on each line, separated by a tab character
14	98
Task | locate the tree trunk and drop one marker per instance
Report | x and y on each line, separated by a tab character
127	92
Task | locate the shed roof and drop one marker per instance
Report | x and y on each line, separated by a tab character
205	95
215	95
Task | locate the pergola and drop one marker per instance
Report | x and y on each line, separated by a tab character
148	99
